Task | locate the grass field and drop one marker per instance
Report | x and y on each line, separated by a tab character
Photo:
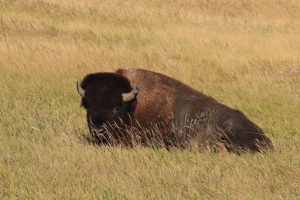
244	53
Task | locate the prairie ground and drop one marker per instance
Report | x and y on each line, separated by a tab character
246	54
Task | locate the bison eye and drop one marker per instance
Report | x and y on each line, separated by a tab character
117	110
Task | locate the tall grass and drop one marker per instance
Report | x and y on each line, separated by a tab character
243	53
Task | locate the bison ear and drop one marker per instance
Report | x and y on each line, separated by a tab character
130	95
80	90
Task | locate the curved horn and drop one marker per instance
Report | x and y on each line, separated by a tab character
130	95
80	90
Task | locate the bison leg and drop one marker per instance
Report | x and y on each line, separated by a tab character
242	134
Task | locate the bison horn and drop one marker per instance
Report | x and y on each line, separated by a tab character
130	95
80	90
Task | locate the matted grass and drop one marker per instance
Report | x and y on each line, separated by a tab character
246	54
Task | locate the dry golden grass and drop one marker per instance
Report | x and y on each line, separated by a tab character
243	53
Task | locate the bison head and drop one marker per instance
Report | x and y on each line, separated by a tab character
109	100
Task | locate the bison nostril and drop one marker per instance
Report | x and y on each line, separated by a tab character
116	110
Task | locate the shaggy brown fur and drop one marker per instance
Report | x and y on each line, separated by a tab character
166	111
191	114
103	102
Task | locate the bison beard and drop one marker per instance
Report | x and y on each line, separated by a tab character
166	113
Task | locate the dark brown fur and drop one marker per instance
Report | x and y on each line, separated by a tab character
165	110
191	114
103	102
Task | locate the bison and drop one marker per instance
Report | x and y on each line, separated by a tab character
175	112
